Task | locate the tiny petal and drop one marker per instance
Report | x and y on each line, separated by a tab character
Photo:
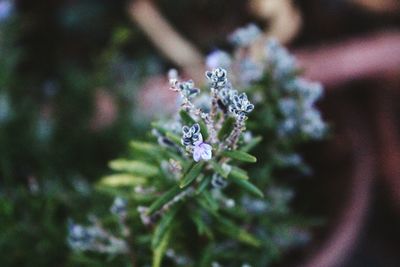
195	128
206	154
197	154
185	129
198	143
206	146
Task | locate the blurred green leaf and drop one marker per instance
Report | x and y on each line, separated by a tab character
134	167
163	227
202	227
250	145
118	180
203	129
167	196
238	173
245	184
230	228
174	138
186	118
240	155
226	128
219	169
191	175
203	185
159	251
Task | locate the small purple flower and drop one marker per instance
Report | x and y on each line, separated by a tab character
201	150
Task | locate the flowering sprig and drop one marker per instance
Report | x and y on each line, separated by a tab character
192	175
193	141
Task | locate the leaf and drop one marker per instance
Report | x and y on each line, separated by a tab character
238	173
205	204
210	201
117	180
250	145
206	257
240	155
191	175
159	127
163	227
230	228
203	185
159	251
246	185
186	118
150	150
219	169
134	167
174	138
203	129
226	128
167	196
202	227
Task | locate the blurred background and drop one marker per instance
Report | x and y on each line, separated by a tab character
80	78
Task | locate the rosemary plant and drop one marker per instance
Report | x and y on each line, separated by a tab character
194	195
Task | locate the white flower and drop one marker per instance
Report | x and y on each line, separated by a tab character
201	150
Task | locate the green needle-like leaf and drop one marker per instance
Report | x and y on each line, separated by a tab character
227	127
170	194
250	145
203	129
134	167
120	180
159	251
230	228
191	175
240	155
238	173
186	118
174	138
245	184
219	169
163	227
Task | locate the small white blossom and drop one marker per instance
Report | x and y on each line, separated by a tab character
217	78
241	106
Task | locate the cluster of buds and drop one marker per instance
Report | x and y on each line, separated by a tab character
241	106
218	78
185	88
